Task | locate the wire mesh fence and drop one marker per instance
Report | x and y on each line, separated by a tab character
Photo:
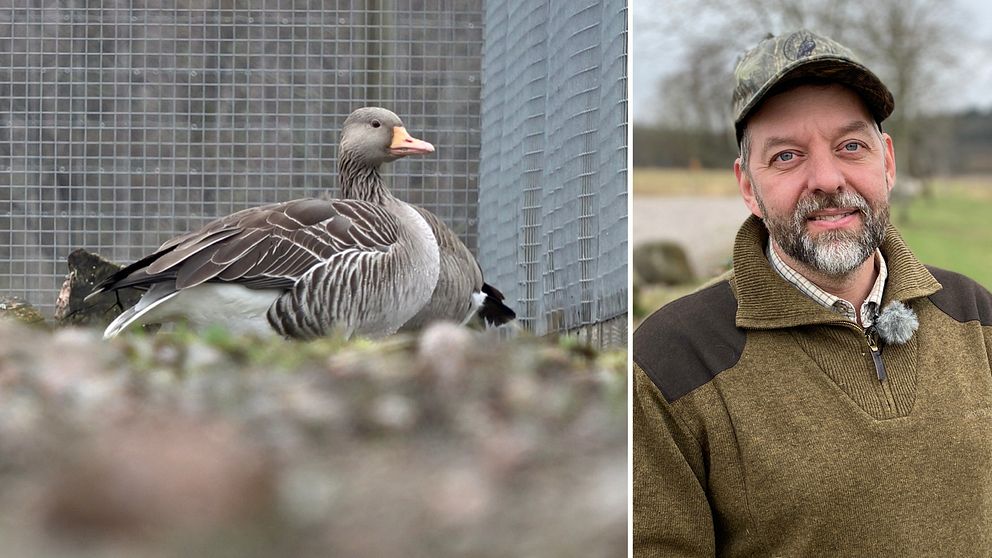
553	174
125	123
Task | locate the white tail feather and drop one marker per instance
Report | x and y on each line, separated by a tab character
148	302
239	309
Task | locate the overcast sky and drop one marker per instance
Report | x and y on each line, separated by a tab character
656	53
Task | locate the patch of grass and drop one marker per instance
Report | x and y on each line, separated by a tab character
684	182
952	229
976	186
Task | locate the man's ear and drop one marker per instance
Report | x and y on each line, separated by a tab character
746	188
890	161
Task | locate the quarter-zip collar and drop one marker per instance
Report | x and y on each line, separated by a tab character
864	316
767	301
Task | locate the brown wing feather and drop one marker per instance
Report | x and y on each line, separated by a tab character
265	247
186	251
227	222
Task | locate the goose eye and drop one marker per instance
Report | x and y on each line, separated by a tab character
376	123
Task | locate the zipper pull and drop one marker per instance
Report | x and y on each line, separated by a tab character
871	336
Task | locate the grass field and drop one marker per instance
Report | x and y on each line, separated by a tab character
683	182
952	229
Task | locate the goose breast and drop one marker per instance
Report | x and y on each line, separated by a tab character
366	292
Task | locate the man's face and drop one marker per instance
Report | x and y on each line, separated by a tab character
819	175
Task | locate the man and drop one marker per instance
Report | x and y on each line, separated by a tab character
831	395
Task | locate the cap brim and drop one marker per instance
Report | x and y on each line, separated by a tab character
829	69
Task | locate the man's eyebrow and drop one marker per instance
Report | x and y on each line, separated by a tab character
775	141
851	127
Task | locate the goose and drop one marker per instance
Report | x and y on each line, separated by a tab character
303	268
461	292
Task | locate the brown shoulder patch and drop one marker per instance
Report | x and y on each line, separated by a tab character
687	342
962	298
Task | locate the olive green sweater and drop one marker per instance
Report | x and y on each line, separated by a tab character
762	429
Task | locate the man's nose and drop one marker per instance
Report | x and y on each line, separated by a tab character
825	173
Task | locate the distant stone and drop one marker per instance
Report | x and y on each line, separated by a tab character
661	263
86	270
14	308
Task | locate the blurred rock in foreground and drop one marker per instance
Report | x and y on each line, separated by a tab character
447	444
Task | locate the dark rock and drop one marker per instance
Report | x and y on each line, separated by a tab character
86	270
661	263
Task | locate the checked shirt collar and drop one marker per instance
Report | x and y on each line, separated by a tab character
868	310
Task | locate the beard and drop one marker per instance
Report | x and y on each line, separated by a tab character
833	253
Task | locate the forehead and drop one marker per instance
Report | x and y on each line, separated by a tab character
808	108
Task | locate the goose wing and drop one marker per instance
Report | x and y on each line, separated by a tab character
266	247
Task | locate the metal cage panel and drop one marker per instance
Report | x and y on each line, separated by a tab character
553	178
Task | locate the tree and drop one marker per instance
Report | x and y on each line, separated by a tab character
908	43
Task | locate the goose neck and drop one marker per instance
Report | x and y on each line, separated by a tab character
361	181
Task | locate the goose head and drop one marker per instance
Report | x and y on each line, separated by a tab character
374	135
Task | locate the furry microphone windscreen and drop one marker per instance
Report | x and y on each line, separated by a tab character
896	323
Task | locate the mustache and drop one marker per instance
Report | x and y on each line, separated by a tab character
819	201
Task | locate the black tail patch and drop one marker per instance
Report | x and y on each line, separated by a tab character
493	311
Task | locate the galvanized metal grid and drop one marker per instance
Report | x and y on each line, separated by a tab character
553	177
125	123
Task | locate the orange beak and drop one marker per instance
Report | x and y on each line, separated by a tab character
404	144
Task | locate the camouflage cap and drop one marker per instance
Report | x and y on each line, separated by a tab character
778	61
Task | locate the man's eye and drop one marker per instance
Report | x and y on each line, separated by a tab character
785	156
852	146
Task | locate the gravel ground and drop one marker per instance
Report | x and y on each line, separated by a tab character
451	443
706	227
